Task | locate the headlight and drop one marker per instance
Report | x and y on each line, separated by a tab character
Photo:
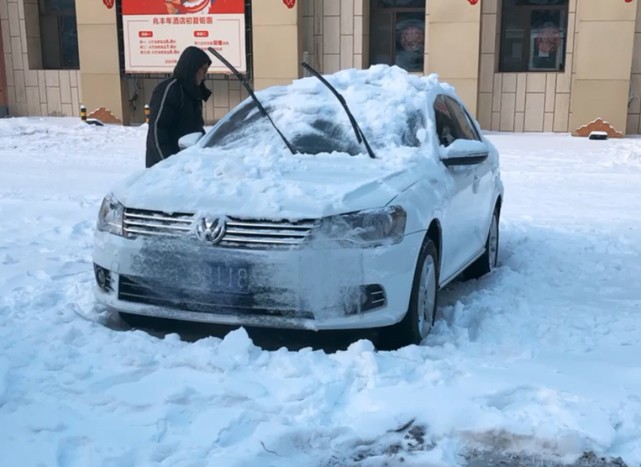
110	216
363	229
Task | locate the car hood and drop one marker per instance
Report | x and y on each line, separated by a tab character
267	186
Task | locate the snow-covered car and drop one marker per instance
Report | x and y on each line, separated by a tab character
293	212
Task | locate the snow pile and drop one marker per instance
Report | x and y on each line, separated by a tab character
252	173
541	357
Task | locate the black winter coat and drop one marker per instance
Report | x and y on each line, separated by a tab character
176	107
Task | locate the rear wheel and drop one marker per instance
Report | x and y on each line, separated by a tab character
419	318
488	260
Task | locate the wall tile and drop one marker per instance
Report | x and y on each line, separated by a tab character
508	102
536	82
42	85
220	112
486	73
16	53
53	101
52	78
548	122
488	34
20	88
331	7
31	78
23	37
347	52
221	94
561	112
331	35
509	82
14	20
358	7
550	92
331	63
65	87
6	38
498	81
521	82
534	110
489	6
4	10
308	8
33	101
519	122
358	34
75	101
496	121
347	17
66	110
484	112
318	18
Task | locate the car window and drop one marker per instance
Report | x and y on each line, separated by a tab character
468	130
447	128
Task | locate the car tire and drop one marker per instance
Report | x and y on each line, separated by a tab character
488	260
421	312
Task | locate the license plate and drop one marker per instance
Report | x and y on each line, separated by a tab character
230	278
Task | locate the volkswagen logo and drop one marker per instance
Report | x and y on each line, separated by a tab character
210	230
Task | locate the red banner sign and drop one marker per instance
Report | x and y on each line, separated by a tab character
157	31
109	3
290	3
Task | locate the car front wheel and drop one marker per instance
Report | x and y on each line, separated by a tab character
419	318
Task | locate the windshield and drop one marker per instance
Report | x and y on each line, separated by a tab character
311	129
246	127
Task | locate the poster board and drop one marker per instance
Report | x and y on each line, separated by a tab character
155	32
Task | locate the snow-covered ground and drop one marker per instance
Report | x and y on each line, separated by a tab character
542	357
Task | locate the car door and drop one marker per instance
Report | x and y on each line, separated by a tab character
460	222
455	222
483	186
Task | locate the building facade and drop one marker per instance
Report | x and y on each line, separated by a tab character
519	65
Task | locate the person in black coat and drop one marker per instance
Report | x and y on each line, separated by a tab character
176	107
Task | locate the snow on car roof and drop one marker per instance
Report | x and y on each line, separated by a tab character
253	172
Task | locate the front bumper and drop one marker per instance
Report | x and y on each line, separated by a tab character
300	288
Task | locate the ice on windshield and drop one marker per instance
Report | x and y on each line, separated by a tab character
389	104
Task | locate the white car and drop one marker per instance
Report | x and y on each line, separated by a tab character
309	216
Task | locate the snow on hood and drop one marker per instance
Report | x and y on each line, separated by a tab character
253	174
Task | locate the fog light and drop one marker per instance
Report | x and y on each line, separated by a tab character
103	278
365	298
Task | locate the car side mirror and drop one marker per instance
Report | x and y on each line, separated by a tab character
189	140
463	152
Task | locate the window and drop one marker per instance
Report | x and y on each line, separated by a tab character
397	33
533	35
452	122
59	34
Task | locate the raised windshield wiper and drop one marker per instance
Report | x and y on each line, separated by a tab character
357	129
244	82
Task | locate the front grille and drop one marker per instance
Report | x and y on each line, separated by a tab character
252	233
161	293
240	233
155	223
